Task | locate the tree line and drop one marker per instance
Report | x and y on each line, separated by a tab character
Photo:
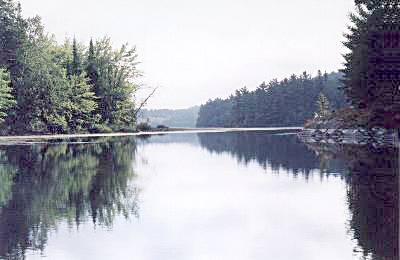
170	117
289	102
47	87
369	81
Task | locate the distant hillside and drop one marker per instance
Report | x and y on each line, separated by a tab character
170	117
289	102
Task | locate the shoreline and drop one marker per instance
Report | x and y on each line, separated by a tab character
121	134
359	136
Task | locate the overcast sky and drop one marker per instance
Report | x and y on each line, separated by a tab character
196	50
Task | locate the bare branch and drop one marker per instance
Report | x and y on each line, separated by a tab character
144	102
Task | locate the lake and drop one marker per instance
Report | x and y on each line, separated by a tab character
225	195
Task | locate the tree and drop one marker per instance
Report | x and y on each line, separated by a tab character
91	69
289	102
7	100
323	107
57	89
12	33
117	70
371	76
80	104
41	87
76	60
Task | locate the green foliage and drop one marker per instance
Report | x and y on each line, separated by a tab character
41	87
80	104
115	72
323	107
12	33
371	76
62	88
91	69
7	100
101	128
76	60
143	126
289	102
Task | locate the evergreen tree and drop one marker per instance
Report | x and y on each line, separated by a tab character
323	107
289	102
320	79
371	76
325	77
76	60
91	69
7	100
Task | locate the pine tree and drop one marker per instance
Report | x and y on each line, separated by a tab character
289	102
91	69
76	61
320	80
7	100
371	76
325	77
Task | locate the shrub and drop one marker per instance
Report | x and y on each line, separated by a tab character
100	128
144	126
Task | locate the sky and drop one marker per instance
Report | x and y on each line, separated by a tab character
196	50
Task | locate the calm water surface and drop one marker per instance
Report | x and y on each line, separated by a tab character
234	195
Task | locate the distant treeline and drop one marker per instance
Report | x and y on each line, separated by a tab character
289	102
170	117
46	87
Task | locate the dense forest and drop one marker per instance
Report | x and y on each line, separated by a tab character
47	87
70	87
289	102
170	117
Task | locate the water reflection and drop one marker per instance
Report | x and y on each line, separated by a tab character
372	194
277	151
42	185
371	174
92	183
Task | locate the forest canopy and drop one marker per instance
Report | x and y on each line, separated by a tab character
47	87
289	102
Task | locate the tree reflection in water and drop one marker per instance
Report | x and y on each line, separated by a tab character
44	184
373	196
274	150
371	175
